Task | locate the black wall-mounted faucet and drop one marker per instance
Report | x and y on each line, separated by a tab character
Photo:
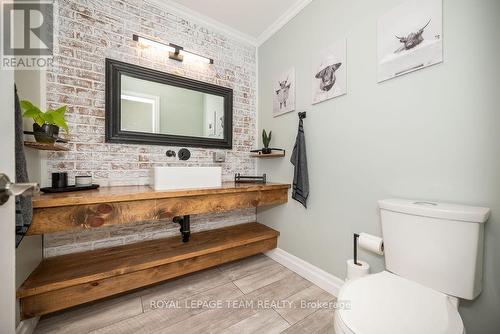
170	153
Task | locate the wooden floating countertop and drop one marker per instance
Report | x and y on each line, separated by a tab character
138	193
131	204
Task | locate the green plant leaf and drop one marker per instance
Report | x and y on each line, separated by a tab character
31	113
38	119
47	117
266	139
52	117
35	114
26	105
61	110
270	136
58	119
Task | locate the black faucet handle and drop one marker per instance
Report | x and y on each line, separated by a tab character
184	154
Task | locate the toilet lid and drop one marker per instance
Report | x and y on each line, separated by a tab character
385	303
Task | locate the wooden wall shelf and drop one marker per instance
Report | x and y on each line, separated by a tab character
69	280
44	146
270	155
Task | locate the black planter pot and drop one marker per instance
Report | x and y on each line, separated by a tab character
266	150
46	133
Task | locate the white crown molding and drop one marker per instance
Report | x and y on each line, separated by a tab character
321	278
282	20
188	13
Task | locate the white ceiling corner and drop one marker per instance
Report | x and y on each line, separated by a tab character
253	22
189	13
282	20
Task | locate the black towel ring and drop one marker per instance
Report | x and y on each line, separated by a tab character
302	115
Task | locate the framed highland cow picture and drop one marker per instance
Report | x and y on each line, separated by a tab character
410	38
284	93
329	73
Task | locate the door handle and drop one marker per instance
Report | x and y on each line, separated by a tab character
8	189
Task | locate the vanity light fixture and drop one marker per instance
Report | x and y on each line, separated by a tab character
175	52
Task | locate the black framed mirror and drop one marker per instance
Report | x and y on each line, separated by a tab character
146	106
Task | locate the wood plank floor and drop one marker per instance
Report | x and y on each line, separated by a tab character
254	295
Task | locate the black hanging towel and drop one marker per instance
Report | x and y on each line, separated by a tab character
24	208
299	160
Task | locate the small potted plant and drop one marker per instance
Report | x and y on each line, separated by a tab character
266	140
47	124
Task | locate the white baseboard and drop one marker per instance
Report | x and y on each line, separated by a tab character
27	326
321	278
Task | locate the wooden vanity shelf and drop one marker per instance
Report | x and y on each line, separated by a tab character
123	205
69	280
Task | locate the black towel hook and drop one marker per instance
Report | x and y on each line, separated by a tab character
302	115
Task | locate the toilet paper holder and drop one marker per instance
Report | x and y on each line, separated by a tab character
356	236
378	249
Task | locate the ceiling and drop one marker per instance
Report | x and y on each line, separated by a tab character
255	20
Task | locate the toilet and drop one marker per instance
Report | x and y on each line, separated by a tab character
433	257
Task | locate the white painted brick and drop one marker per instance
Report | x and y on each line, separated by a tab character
88	32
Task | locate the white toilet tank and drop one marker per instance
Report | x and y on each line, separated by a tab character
439	245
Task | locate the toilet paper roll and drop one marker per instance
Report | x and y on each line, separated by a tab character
357	270
371	243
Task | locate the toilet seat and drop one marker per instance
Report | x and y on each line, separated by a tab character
385	303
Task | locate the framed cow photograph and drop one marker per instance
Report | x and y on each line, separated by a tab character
284	93
329	73
410	38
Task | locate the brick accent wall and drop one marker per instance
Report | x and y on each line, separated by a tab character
87	32
70	242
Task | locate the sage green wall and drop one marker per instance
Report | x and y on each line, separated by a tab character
433	134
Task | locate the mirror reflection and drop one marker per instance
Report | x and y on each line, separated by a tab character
152	107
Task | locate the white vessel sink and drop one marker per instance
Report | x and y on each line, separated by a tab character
171	178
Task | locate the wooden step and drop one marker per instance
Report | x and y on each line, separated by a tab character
64	281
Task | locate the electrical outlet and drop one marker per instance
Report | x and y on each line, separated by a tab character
219	156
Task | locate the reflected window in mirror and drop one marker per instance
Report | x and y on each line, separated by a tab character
140	112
